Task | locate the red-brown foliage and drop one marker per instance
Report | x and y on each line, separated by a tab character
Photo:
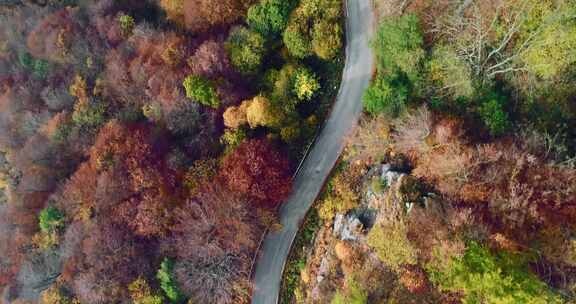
216	218
257	169
111	258
514	178
414	279
201	15
126	179
152	69
11	243
54	34
214	238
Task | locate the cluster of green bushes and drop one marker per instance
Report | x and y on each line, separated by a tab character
297	81
484	276
514	71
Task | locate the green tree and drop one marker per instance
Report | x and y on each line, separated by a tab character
553	48
387	95
305	84
398	45
326	39
450	74
297	40
246	50
269	17
232	138
281	83
501	278
201	90
165	276
51	220
494	116
40	68
88	114
314	28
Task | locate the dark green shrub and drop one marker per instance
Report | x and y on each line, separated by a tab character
494	116
50	219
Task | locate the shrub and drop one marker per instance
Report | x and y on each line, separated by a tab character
246	49
354	294
201	90
495	117
305	84
484	277
165	276
126	24
330	206
141	293
51	219
391	244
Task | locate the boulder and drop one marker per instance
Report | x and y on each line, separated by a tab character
347	227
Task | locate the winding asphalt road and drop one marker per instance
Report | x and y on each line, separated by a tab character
323	156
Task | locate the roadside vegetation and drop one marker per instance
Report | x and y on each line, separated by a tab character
145	145
458	184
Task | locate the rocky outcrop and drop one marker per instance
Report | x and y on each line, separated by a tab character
347	227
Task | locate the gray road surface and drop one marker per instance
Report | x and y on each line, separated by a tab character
324	154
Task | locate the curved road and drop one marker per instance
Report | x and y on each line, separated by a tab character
319	162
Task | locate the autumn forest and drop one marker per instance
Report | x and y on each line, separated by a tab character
146	144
